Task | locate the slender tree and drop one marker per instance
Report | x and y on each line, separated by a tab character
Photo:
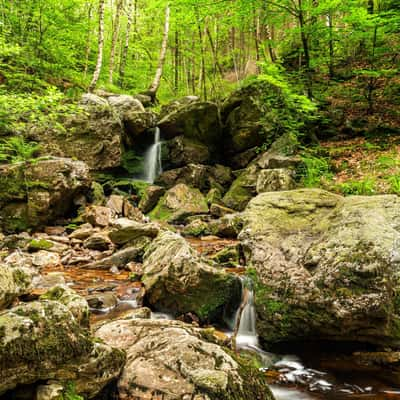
115	35
124	55
100	46
152	91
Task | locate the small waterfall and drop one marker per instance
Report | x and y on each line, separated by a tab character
245	333
152	159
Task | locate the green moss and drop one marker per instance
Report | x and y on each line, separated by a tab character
40	244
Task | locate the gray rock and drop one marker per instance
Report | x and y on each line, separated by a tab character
125	230
274	180
326	266
179	363
178	280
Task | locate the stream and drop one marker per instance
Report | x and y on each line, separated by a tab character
291	376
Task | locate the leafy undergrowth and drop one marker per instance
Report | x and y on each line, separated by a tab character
354	166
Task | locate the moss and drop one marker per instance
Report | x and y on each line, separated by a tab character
40	244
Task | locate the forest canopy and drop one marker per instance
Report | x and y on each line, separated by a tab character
347	50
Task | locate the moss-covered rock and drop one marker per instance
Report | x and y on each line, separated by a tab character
36	193
179	203
46	340
242	189
180	362
325	266
198	121
150	198
178	280
14	282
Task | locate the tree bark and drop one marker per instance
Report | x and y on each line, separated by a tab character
99	63
152	91
306	50
115	39
88	37
124	55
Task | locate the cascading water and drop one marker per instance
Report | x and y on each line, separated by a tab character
245	334
152	159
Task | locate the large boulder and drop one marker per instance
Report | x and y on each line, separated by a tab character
178	203
202	177
181	151
326	267
198	121
179	363
48	340
33	194
177	279
92	133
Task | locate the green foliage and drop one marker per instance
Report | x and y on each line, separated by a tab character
15	149
70	392
395	184
365	186
313	170
283	108
132	162
19	112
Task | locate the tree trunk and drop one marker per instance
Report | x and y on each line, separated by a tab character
115	39
331	46
152	91
176	61
88	37
99	63
306	50
125	49
214	52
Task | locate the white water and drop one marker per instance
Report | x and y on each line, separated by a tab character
247	334
152	159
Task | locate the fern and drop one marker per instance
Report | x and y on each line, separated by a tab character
15	149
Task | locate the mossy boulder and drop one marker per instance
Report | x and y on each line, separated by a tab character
197	121
177	279
181	151
179	363
93	133
325	266
243	189
150	198
47	340
33	194
178	203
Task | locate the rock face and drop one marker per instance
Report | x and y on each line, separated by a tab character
178	280
326	266
197	121
35	194
49	339
178	363
182	151
93	134
179	203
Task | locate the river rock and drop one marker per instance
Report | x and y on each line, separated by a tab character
179	203
34	194
177	279
125	230
134	251
46	340
122	103
326	266
150	198
98	241
14	282
98	216
179	363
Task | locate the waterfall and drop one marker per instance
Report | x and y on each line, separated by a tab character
152	159
246	334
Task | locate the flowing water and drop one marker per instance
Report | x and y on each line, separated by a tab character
152	159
